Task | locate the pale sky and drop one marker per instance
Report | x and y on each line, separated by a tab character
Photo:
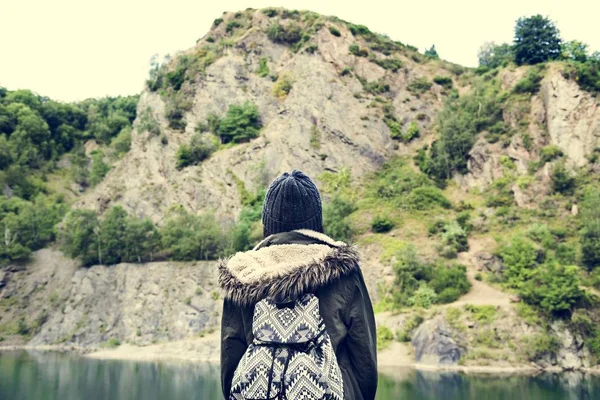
74	49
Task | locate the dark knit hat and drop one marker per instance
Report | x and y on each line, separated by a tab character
292	202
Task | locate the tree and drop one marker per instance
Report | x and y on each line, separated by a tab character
537	40
113	233
79	166
188	237
432	53
575	51
99	167
79	236
494	55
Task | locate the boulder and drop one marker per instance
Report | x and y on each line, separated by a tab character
436	343
488	262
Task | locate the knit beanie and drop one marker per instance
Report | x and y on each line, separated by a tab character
292	202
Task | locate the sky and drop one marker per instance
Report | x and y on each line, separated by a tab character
70	50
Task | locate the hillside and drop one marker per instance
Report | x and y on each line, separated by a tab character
471	193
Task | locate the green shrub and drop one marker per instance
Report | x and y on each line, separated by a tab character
555	289
197	151
427	197
381	225
392	64
419	85
175	109
335	222
549	153
347	71
231	25
450	283
263	68
148	123
562	181
482	314
288	34
176	77
270	12
358	29
334	31
112	343
432	53
311	48
520	258
455	237
443	81
395	128
122	142
241	123
587	75
530	83
384	337
218	21
376	87
283	86
423	297
412	132
355	50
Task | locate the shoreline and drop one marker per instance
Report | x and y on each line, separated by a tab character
186	351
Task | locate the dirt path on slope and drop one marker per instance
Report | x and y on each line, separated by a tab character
481	293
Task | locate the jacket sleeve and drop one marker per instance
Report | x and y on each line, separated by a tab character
362	338
233	343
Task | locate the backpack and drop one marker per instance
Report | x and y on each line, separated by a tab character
291	357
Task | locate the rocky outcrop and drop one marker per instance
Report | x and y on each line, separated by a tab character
488	262
572	354
572	117
86	307
435	343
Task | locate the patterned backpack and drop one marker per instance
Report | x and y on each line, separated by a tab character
291	357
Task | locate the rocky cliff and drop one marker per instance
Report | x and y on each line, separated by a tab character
59	303
325	99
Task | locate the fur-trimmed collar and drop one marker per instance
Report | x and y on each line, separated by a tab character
285	271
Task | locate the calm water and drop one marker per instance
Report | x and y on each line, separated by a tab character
49	376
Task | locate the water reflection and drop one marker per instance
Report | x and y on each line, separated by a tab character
49	376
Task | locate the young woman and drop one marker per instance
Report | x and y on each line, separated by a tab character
297	318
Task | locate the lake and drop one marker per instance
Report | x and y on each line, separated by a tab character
50	376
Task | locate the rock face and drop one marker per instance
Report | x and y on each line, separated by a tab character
572	353
140	304
435	344
572	117
324	102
